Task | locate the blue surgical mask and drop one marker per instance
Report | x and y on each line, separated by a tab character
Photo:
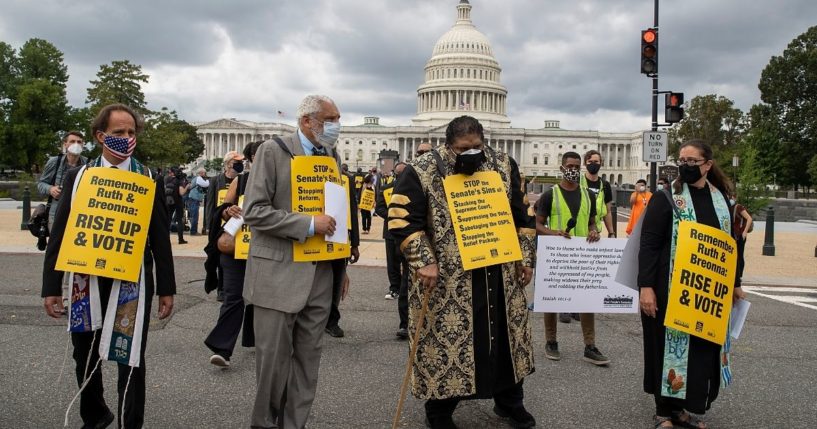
329	136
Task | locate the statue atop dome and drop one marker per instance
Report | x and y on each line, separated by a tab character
462	77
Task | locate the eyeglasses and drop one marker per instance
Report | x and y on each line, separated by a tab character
689	161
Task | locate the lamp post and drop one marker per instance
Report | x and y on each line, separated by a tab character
735	165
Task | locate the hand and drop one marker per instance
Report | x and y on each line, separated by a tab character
165	306
745	234
53	306
232	211
524	274
344	287
593	236
355	255
428	275
738	294
55	192
324	225
559	232
647	301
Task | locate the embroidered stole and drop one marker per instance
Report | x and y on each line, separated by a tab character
124	318
676	343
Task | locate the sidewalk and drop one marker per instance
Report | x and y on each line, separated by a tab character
794	263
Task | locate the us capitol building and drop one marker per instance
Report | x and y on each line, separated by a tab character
461	78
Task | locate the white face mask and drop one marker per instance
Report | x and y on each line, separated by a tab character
75	149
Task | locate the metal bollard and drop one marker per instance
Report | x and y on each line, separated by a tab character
768	244
26	208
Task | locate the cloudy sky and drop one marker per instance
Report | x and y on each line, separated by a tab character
572	60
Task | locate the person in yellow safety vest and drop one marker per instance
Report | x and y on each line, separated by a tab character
599	188
565	208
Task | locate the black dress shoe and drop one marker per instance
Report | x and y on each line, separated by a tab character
220	295
182	241
519	417
335	331
402	333
102	424
440	422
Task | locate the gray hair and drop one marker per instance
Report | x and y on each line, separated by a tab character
201	170
311	104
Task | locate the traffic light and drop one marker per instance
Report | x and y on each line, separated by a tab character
649	51
673	111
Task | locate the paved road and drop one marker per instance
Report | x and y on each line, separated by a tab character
775	365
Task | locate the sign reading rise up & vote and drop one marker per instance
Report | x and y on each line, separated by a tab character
703	275
107	229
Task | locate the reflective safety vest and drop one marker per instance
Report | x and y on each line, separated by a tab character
601	207
560	213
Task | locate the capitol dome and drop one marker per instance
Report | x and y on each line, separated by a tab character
462	78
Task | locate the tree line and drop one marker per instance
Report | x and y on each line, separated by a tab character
35	114
776	140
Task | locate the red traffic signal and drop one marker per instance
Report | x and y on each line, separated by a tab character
673	112
649	51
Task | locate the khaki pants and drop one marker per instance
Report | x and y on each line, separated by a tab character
587	320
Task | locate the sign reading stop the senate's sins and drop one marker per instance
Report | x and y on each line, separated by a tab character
107	229
482	220
309	173
700	298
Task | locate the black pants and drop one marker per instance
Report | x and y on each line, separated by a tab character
393	265
176	214
510	398
338	273
92	407
366	215
402	297
231	315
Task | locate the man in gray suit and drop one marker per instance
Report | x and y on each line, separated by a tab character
291	299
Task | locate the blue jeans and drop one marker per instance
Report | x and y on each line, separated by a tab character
193	212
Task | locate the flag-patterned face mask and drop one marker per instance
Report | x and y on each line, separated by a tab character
120	147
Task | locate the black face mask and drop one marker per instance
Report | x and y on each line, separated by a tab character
468	163
238	167
690	173
593	168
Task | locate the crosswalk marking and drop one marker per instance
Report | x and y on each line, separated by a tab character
789	295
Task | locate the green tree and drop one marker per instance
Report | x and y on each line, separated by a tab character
713	119
812	169
214	165
788	85
34	103
763	139
168	140
118	82
752	192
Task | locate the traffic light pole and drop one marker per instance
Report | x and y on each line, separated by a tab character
653	165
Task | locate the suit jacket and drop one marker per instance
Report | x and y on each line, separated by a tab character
273	280
157	248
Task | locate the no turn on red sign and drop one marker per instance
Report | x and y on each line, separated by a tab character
654	146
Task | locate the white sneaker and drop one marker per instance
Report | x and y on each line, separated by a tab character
219	360
391	295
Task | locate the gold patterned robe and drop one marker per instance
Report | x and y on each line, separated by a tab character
420	220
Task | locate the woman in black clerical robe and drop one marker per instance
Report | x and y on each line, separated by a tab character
683	392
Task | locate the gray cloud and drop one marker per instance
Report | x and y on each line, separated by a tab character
250	58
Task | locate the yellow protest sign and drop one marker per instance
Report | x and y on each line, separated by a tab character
703	274
222	194
358	182
345	181
482	220
366	199
387	195
107	229
309	173
242	237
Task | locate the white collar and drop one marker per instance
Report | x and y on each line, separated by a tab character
124	165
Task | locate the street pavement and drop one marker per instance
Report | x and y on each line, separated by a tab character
775	363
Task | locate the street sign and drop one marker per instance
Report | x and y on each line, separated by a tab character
654	146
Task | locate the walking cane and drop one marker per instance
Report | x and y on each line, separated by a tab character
412	356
